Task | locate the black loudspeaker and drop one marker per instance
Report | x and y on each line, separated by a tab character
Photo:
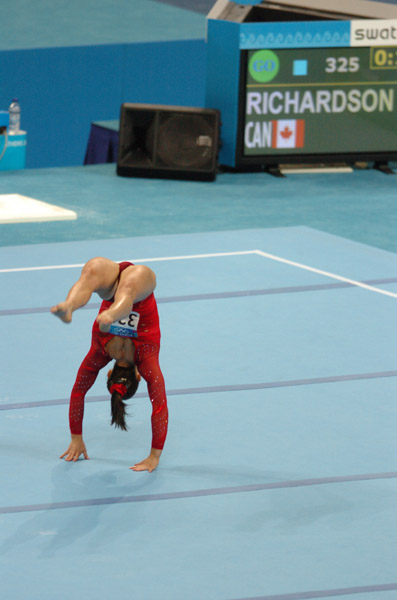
173	142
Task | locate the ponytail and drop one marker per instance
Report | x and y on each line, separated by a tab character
122	384
118	411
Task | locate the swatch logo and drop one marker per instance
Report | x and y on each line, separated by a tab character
374	33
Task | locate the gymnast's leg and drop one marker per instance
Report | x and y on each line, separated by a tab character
98	275
136	283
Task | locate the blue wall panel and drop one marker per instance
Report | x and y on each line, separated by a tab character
62	90
222	82
166	73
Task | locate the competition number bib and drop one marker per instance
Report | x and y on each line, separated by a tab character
127	327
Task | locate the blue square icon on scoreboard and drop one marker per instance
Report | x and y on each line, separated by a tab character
300	67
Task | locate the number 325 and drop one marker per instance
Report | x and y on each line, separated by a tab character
342	64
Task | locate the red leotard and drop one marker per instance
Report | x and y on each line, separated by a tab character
147	347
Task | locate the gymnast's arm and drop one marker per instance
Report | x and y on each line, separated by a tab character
95	360
150	370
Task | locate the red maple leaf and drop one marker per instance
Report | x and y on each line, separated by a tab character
286	132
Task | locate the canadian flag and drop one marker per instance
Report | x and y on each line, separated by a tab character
288	133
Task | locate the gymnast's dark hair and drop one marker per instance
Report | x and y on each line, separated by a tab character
122	384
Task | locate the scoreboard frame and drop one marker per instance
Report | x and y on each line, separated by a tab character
230	45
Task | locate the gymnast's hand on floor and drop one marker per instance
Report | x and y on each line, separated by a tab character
150	463
76	447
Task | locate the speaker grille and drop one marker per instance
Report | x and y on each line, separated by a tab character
171	142
184	141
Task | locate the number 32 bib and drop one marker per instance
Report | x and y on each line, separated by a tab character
127	327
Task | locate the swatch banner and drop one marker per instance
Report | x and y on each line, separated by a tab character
373	33
318	34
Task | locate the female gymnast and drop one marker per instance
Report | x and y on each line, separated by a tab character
127	330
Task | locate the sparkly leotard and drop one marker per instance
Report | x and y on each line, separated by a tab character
147	347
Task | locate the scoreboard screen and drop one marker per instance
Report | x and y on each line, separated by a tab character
307	102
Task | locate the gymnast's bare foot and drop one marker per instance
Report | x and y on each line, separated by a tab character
105	319
63	311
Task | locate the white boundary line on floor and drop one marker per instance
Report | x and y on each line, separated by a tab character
134	260
326	274
221	254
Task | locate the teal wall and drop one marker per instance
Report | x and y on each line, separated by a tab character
62	90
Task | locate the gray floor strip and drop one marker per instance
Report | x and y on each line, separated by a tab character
217	388
328	593
216	296
197	493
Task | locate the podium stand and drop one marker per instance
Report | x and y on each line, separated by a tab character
14	157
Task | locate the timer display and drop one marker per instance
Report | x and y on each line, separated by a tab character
383	58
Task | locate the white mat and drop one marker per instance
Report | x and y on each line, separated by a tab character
15	208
